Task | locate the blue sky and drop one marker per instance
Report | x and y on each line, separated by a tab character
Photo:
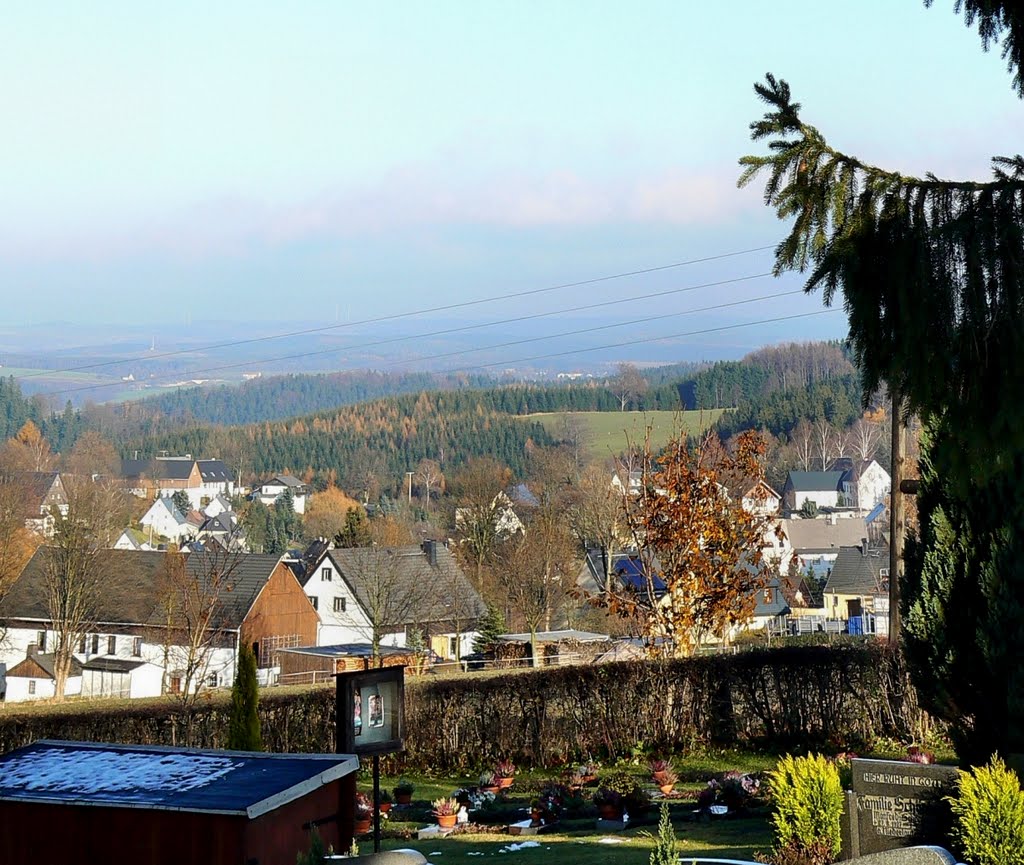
279	162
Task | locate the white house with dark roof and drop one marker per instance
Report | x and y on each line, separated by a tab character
268	492
131	650
403	588
200	480
823	489
865	483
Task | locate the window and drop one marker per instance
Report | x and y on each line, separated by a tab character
175	687
211	680
313	600
31	686
137	646
111	645
83	644
767	596
95	644
41	640
326	574
339	605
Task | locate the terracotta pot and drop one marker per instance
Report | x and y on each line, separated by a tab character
658	778
609	812
362	826
446	821
403	798
385	807
666	788
505	783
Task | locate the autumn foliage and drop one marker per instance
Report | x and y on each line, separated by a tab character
699	548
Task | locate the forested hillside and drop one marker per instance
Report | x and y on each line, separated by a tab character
369	445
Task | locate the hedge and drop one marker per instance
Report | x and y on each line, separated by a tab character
784	698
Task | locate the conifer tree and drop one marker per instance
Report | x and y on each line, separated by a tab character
489	628
932	278
244	728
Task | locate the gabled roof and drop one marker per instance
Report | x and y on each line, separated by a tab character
806	482
409	570
823	535
177	779
857	571
131	585
777	606
38	485
157	469
36	663
213	471
282	481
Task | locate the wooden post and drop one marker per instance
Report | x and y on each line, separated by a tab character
897	516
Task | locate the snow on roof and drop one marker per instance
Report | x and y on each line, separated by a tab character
152	777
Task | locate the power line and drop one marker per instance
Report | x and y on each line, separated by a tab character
576	332
650	339
444	332
401	315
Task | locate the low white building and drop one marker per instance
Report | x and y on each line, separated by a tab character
165	520
270	491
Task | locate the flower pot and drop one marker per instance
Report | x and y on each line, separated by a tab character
658	778
609	812
491	788
446	821
362	826
505	783
403	798
385	807
666	788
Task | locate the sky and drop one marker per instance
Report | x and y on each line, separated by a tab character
336	161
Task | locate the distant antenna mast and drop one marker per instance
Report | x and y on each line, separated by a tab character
152	344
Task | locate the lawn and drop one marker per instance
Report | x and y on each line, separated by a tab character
608	433
578	839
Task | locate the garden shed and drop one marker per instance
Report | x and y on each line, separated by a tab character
86	802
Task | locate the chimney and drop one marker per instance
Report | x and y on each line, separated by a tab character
430	548
863	546
32	650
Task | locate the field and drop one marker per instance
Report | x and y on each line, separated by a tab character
607	433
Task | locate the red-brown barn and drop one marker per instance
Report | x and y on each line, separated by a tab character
98	804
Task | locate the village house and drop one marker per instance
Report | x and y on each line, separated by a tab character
45	494
270	491
810	547
822	489
401	589
135	647
865	483
200	480
857	589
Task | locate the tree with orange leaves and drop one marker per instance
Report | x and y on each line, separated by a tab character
700	550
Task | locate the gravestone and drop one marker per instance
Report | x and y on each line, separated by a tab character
895	804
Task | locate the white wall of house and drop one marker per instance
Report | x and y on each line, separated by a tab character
162	518
822	498
25	689
342	619
144	681
874	485
217	667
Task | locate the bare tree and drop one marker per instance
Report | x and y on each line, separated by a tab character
628	385
803	443
17	543
864	438
824	441
389	591
429	477
474	490
92	455
597	517
96	514
537	571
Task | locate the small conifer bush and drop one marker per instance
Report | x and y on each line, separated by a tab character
989	812
665	850
808	809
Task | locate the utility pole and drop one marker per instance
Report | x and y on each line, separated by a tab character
897	515
410	474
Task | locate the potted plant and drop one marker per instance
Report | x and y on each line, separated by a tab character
403	792
588	771
385	801
658	770
669	779
488	782
505	773
446	812
364	814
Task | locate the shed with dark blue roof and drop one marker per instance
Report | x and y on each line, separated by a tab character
157	805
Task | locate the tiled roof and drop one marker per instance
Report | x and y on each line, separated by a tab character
857	571
823	534
403	578
804	482
130	585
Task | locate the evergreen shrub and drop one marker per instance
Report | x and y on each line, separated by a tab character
989	812
808	813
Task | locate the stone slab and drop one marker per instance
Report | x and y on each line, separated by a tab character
895	805
610	825
433	831
908	856
391	857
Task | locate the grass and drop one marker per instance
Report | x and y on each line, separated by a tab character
607	433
